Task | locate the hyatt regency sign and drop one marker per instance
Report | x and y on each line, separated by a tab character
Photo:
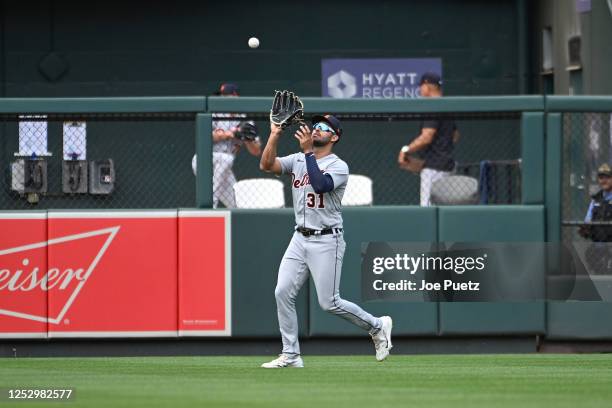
388	78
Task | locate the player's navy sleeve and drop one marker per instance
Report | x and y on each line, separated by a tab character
321	183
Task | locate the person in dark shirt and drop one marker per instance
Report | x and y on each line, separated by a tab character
599	254
435	143
600	208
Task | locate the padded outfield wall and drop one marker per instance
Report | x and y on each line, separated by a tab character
260	236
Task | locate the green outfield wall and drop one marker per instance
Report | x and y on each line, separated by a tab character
65	48
259	237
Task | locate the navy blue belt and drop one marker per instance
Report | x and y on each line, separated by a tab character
307	232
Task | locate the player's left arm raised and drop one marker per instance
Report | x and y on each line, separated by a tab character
269	161
321	183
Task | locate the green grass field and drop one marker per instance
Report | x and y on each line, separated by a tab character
575	381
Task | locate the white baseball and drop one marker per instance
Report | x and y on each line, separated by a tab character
253	42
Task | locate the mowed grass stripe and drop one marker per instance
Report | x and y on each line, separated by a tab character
338	381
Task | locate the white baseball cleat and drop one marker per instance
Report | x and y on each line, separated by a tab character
285	360
382	339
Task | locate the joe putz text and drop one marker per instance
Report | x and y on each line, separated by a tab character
411	286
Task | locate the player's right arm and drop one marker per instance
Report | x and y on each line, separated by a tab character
424	139
269	161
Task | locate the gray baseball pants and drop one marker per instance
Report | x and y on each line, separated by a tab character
321	256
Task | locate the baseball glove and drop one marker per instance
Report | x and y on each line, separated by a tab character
247	131
287	109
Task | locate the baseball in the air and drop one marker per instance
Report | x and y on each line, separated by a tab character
253	42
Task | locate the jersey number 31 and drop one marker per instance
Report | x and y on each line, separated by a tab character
311	199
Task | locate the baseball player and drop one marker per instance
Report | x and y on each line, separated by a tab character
318	180
225	148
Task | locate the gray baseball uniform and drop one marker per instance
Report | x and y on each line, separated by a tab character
223	155
318	254
223	161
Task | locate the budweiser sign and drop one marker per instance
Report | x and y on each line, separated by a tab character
20	274
115	274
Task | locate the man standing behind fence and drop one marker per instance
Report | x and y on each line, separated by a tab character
435	143
225	147
599	254
600	208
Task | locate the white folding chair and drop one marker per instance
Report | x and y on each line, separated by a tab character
358	191
454	190
259	193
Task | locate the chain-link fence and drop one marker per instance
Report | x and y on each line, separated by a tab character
97	161
587	145
145	161
486	156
